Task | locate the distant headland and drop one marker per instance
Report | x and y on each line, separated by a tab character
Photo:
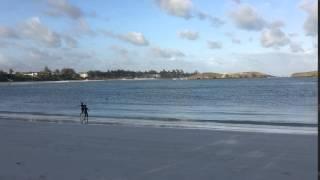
229	75
70	74
306	74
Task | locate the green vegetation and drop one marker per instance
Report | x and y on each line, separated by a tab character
306	74
44	75
69	74
229	75
119	74
206	76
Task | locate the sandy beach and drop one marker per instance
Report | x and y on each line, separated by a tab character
50	151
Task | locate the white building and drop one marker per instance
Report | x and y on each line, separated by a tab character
32	74
155	75
83	75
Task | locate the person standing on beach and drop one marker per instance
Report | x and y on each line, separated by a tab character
82	107
86	115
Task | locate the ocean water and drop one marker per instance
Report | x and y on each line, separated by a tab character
288	102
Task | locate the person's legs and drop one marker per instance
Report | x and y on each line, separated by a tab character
86	117
82	117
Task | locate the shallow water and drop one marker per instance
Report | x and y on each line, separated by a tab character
274	101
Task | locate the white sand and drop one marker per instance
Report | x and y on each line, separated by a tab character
72	151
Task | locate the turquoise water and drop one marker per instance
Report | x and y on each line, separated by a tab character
285	101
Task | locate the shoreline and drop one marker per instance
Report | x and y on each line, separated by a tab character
173	124
144	79
73	151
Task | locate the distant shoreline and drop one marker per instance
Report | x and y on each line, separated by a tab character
142	79
70	75
44	82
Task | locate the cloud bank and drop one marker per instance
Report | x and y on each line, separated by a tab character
246	17
166	53
274	38
186	10
134	38
179	8
214	45
188	34
64	8
311	23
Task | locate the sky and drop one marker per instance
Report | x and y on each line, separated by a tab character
224	36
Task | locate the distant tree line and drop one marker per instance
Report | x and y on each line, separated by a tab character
116	74
45	75
70	74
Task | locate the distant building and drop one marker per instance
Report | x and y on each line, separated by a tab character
32	74
84	75
224	75
155	75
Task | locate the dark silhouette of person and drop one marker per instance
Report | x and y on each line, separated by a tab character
86	115
82	107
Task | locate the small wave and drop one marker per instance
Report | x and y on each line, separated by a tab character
165	119
245	126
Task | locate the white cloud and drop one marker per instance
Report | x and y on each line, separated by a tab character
292	35
64	8
188	34
70	42
166	53
276	24
122	52
34	29
311	23
236	41
35	58
278	63
179	8
185	9
7	62
215	21
82	27
274	37
41	55
214	45
247	18
3	59
6	32
237	1
296	47
4	44
135	38
274	63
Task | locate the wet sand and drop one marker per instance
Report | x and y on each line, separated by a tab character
50	151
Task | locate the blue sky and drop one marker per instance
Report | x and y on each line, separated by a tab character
270	36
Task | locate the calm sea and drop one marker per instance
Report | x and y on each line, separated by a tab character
274	101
